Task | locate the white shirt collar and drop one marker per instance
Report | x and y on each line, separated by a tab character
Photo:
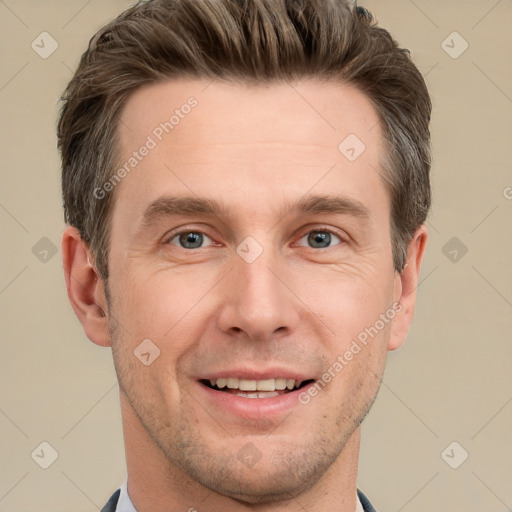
359	506
125	503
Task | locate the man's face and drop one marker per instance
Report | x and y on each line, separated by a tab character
257	291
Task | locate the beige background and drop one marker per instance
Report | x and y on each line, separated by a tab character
449	382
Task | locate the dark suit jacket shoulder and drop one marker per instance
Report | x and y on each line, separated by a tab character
365	502
112	502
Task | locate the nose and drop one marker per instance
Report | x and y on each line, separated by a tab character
258	300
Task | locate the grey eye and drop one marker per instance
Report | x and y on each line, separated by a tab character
321	239
189	239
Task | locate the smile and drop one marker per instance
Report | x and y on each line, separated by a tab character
247	388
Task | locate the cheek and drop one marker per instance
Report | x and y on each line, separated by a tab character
356	370
171	309
347	300
145	366
157	304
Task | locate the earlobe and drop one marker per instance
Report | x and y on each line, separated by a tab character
405	288
85	288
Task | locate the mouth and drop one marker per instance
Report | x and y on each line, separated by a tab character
248	388
257	395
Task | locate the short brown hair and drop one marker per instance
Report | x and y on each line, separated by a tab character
253	41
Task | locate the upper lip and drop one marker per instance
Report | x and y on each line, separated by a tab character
260	374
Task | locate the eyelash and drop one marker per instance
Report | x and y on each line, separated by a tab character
316	230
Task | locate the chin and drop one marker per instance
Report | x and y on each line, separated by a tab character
261	487
280	472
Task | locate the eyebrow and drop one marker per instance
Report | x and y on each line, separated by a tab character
169	206
338	205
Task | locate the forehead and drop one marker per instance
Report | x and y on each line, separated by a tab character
319	113
246	141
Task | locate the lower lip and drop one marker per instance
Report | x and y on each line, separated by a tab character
253	408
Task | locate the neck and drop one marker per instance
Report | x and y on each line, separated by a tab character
155	483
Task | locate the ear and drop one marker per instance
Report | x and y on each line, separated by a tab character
405	288
85	288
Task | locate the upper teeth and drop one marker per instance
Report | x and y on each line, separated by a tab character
256	385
